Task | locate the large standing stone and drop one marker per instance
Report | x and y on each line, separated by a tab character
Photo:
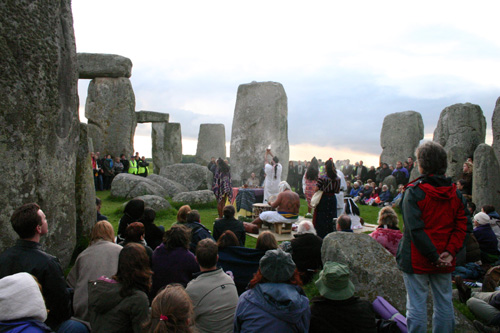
172	187
85	190
485	177
374	272
460	129
194	176
39	126
211	143
93	65
495	124
167	144
129	186
110	110
260	120
400	136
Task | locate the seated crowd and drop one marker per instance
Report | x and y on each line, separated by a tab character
189	279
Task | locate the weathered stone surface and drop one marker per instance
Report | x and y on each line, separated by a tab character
126	185
414	174
39	126
110	110
194	176
167	144
94	65
485	177
152	117
495	124
460	129
153	201
195	197
401	133
374	271
260	120
84	187
172	187
211	143
391	182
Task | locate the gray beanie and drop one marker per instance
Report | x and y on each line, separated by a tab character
277	266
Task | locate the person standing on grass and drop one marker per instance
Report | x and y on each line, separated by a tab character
435	225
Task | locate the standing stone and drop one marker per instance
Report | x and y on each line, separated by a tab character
84	190
460	129
485	177
400	136
495	123
93	65
167	144
211	143
39	126
260	120
110	110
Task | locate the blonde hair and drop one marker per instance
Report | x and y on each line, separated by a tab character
170	311
182	213
266	241
102	230
387	216
470	166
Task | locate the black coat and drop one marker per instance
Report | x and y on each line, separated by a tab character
350	315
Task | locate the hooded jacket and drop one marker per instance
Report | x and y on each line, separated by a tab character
435	221
273	307
110	312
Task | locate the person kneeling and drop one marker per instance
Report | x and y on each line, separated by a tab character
287	204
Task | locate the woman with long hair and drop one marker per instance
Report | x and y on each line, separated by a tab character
326	210
310	180
273	176
275	301
172	260
222	185
387	232
182	214
171	311
132	213
100	258
120	303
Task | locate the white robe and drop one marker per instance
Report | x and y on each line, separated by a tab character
271	184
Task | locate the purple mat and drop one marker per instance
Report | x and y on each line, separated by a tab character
387	311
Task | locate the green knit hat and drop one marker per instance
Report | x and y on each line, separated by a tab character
334	283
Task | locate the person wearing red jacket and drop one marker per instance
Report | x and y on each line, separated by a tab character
435	225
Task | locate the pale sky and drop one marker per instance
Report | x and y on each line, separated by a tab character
344	65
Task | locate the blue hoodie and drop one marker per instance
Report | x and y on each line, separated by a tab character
273	307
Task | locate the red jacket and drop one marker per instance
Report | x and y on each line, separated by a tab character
435	222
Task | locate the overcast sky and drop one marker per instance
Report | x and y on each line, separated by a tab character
344	66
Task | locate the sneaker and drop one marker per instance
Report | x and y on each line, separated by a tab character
464	293
480	327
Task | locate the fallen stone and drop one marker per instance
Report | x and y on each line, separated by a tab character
110	107
195	197
460	129
94	65
153	201
374	272
126	185
152	117
194	176
211	143
172	187
260	119
485	177
401	133
39	125
167	144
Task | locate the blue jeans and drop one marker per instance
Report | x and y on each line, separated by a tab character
417	291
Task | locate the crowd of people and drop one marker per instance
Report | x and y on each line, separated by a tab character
189	278
106	168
